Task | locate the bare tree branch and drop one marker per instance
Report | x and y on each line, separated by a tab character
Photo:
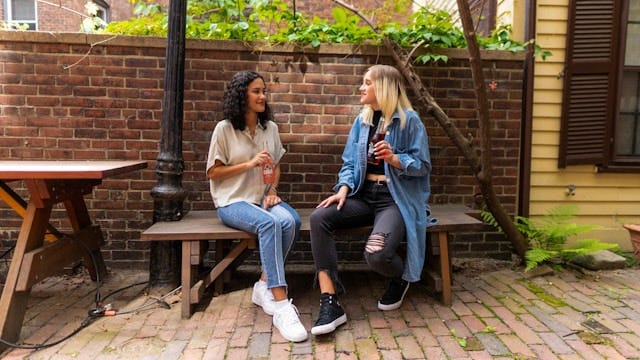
485	176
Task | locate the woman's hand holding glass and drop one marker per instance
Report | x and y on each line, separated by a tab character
260	158
383	150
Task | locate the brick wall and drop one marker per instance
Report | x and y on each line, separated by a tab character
63	99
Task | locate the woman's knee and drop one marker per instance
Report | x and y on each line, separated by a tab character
377	260
294	222
375	243
374	250
291	217
268	223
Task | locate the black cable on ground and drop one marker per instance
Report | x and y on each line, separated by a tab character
94	314
99	311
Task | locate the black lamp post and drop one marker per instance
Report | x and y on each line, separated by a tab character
168	194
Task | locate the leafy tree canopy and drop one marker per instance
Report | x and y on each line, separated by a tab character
276	22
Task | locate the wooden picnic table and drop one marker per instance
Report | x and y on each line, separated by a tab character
50	183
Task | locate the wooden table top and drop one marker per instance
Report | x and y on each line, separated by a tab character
66	169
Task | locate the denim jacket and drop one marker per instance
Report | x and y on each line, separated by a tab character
409	187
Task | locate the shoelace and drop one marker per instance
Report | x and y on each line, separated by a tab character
291	314
325	310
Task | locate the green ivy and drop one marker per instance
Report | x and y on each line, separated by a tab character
500	39
150	20
275	22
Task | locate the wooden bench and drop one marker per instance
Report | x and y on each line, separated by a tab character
197	227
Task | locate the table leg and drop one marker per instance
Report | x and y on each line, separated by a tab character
18	205
80	220
13	304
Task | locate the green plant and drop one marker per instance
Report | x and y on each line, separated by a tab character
547	237
149	20
460	340
629	258
488	330
343	28
13	26
543	295
273	21
429	29
500	39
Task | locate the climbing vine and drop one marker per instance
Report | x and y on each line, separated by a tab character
274	21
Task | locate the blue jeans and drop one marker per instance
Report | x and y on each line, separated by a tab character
277	228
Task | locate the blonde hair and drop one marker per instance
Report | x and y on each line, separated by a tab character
388	85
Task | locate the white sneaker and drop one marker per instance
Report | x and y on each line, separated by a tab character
287	321
263	297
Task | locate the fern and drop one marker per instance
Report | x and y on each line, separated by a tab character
488	218
538	256
547	237
586	246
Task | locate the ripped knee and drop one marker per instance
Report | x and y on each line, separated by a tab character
375	243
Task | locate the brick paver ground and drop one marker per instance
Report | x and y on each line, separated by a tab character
495	315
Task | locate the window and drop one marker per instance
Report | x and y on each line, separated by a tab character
21	12
103	10
600	116
628	129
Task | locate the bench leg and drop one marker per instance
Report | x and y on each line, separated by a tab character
187	277
218	283
445	268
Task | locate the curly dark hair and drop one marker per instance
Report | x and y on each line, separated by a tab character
234	101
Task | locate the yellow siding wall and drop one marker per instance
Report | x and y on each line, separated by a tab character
607	200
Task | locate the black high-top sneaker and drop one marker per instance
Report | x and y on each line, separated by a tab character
392	298
330	316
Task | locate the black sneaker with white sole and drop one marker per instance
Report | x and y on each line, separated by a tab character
330	315
392	298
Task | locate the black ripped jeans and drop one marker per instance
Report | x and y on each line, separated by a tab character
372	205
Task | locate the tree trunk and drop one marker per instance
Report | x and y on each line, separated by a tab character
485	175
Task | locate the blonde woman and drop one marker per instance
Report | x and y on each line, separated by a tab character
384	182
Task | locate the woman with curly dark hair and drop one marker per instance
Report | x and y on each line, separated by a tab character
243	168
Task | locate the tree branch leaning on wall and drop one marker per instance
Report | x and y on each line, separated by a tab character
480	165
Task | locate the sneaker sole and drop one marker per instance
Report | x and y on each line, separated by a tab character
330	327
296	339
395	305
389	307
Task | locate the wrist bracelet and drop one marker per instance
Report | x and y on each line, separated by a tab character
269	188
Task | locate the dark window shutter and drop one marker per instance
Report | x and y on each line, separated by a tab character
589	87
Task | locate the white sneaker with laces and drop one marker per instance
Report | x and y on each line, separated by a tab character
263	297
286	319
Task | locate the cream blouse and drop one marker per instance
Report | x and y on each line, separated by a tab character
232	147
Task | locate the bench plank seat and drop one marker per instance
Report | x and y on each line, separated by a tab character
204	225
